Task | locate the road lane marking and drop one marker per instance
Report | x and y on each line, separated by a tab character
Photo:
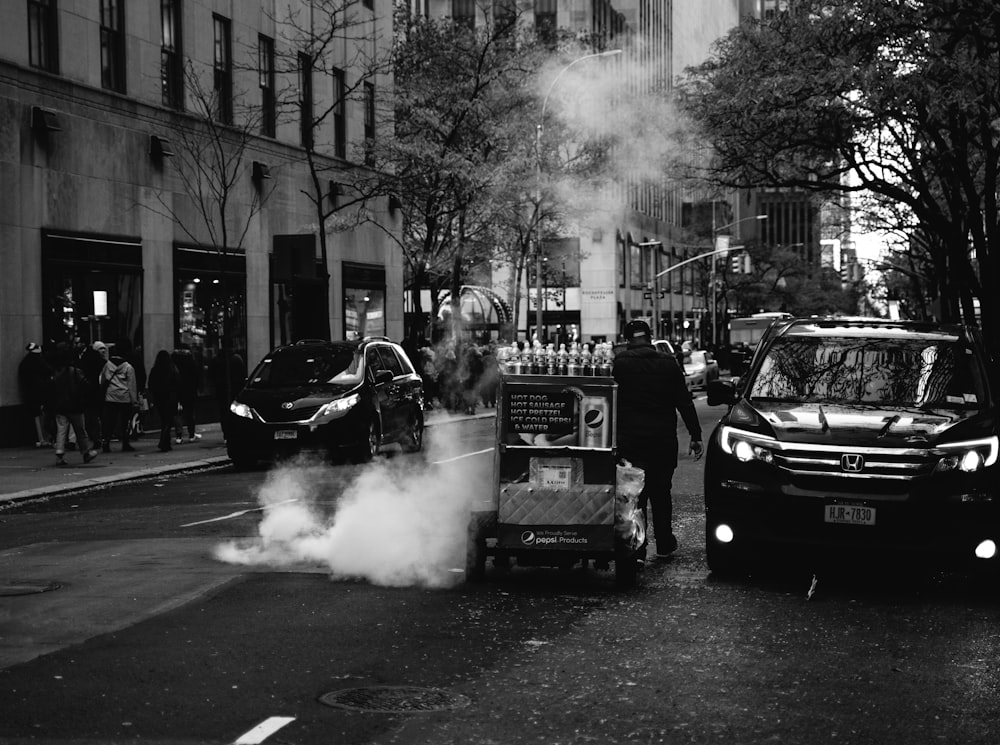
459	457
241	513
263	730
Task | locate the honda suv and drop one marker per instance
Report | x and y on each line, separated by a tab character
856	435
327	396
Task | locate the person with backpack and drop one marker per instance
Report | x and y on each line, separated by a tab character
121	398
67	399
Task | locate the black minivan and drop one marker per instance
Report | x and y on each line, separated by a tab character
852	437
353	396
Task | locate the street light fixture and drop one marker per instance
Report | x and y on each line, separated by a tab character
538	182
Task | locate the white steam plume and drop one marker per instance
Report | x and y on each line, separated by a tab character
401	522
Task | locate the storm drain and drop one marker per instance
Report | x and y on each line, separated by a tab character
26	587
394	699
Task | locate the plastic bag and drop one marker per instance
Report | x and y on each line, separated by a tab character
630	523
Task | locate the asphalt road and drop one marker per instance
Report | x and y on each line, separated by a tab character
348	596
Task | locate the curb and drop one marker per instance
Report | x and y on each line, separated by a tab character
173	468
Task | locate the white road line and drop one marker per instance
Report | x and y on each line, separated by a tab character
459	457
241	513
263	730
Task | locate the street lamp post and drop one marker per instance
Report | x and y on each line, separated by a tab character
715	236
538	183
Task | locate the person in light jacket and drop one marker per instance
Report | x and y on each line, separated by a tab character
121	397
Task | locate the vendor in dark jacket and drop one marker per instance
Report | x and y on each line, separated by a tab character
651	390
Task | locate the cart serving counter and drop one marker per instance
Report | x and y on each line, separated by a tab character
556	500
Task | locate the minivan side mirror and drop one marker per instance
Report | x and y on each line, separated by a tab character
383	376
721	392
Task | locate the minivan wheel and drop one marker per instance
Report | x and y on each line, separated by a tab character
724	562
370	448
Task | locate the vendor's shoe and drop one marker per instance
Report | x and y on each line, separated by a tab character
106	447
60	461
89	456
667	549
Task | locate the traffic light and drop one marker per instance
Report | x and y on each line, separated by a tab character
740	263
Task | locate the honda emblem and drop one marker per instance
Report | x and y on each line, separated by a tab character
852	462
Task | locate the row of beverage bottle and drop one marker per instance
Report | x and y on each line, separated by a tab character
536	359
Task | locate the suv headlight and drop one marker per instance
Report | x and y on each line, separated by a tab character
241	410
339	406
968	456
746	446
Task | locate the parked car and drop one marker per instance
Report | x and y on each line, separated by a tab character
700	369
353	396
850	438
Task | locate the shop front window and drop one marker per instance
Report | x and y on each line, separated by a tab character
364	300
210	299
93	290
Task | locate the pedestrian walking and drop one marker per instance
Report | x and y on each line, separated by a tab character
651	391
34	375
490	380
188	383
67	393
163	390
228	374
91	363
121	399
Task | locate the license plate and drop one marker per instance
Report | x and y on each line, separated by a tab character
286	434
849	514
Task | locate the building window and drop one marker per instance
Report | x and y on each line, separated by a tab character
339	114
369	123
504	13
210	303
222	66
463	13
545	19
265	68
306	99
43	47
171	63
364	300
113	45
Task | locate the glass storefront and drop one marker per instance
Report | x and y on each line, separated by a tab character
210	303
364	300
92	289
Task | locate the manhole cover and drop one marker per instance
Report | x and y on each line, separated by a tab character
394	699
26	587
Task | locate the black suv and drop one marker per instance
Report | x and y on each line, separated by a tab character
327	396
856	435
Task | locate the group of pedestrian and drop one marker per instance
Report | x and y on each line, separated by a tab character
458	375
92	395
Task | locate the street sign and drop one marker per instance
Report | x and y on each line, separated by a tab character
648	295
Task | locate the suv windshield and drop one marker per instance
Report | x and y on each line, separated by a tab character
904	371
307	366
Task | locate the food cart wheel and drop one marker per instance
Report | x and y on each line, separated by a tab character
626	566
475	547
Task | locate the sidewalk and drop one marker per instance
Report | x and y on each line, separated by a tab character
29	472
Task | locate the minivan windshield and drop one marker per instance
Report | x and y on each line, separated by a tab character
913	372
307	366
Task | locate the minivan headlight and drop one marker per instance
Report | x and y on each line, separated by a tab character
339	406
241	410
747	446
968	456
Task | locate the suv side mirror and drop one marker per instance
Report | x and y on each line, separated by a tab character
721	392
383	376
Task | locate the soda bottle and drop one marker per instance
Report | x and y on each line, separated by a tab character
562	361
537	358
586	361
516	359
605	367
573	362
550	360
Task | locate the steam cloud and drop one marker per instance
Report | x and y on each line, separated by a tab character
401	522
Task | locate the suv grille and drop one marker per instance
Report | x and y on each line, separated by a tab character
803	459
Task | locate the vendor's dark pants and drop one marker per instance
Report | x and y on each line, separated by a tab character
658	459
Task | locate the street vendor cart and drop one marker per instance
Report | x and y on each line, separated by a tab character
556	500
